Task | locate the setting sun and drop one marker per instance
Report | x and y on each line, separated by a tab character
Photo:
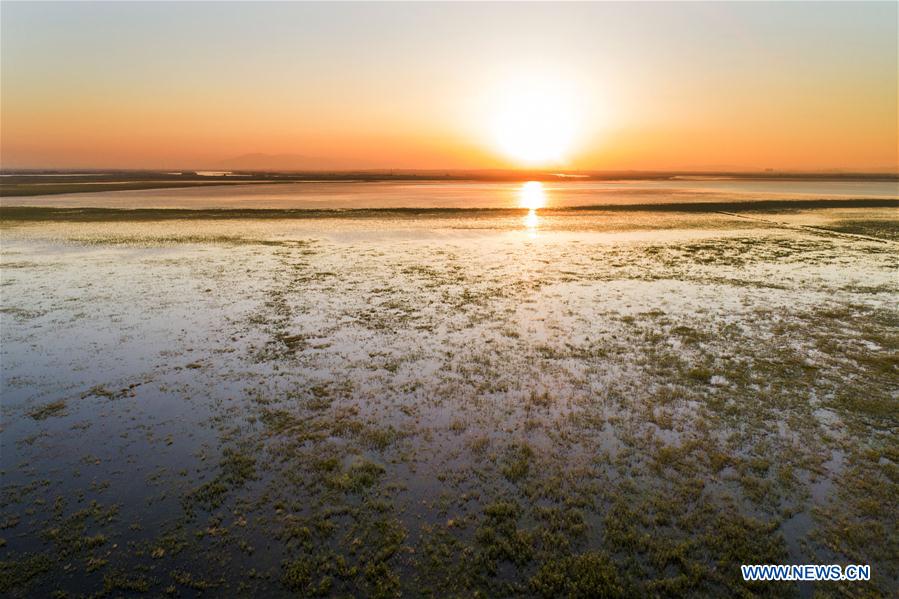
535	124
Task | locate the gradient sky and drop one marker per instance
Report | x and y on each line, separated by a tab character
653	85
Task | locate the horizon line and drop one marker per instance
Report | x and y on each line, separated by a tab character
449	171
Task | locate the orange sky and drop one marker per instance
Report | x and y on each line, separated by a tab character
644	86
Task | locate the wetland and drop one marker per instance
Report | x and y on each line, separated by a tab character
419	398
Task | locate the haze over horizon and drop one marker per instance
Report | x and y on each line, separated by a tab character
802	87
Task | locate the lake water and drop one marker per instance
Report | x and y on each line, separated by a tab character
349	195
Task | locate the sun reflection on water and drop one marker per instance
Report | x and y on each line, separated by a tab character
532	196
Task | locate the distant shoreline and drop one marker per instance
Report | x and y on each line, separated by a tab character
88	214
21	183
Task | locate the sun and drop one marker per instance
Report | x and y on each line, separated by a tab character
535	124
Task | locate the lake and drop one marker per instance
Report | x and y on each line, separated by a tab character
349	195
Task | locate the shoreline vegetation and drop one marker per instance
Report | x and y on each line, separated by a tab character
18	183
38	213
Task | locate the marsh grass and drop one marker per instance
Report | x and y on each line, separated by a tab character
54	408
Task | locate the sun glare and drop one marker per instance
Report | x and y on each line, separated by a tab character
532	196
535	124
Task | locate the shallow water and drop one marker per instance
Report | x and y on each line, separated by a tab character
446	405
348	195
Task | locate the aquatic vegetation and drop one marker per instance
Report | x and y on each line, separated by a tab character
358	477
235	469
16	575
54	408
517	461
311	577
623	405
120	581
590	574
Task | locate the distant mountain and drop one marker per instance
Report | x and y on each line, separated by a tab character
275	162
